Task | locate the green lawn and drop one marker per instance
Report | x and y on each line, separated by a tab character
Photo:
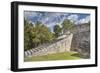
57	56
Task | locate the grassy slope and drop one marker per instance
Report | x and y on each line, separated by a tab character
57	56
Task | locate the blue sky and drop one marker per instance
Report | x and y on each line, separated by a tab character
55	18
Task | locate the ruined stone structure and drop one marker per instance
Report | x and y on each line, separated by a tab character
81	40
61	45
77	40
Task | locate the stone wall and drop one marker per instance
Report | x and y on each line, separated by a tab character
81	40
77	40
62	45
81	43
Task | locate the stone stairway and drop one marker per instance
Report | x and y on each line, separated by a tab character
60	45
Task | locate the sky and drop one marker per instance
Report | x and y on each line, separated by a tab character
50	19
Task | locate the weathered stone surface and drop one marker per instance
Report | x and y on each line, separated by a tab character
81	40
56	47
77	40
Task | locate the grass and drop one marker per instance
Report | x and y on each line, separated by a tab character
57	56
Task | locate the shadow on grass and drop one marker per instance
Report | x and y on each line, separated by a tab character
80	55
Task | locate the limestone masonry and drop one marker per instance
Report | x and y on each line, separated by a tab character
77	40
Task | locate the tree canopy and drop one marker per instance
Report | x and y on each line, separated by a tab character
57	30
38	33
66	25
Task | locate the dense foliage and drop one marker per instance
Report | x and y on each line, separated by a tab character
57	30
38	34
66	25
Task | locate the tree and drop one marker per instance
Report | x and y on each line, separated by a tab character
57	30
28	27
36	35
43	33
66	25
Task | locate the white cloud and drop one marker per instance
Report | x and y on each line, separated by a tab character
73	17
84	20
31	22
45	19
30	14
